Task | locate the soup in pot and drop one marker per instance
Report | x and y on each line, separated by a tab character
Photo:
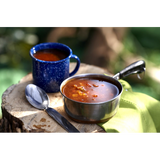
89	90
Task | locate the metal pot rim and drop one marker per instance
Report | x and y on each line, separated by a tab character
87	75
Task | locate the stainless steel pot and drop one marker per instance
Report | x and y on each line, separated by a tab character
103	111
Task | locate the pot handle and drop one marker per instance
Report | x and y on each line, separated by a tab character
134	68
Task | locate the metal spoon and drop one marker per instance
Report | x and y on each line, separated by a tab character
40	100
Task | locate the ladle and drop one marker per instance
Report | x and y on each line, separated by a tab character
38	98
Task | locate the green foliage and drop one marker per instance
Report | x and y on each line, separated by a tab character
16	40
148	37
8	77
144	42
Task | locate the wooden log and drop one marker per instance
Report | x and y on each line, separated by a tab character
22	117
1	125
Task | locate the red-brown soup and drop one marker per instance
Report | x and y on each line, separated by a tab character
90	90
50	55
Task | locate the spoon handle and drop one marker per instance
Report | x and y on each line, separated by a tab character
61	120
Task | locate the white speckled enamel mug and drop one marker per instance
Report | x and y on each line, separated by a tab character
49	75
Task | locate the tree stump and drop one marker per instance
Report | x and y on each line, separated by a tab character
20	116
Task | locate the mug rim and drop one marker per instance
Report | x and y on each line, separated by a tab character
33	50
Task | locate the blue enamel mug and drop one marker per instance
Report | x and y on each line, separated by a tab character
49	75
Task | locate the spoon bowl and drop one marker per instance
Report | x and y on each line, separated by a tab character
37	97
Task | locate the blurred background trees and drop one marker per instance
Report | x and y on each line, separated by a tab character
111	48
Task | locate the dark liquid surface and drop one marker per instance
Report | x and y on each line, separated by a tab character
50	55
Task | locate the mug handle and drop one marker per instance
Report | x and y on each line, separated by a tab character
77	66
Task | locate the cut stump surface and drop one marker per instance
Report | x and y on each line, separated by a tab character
22	117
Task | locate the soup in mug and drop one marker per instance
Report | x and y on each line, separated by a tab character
50	55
